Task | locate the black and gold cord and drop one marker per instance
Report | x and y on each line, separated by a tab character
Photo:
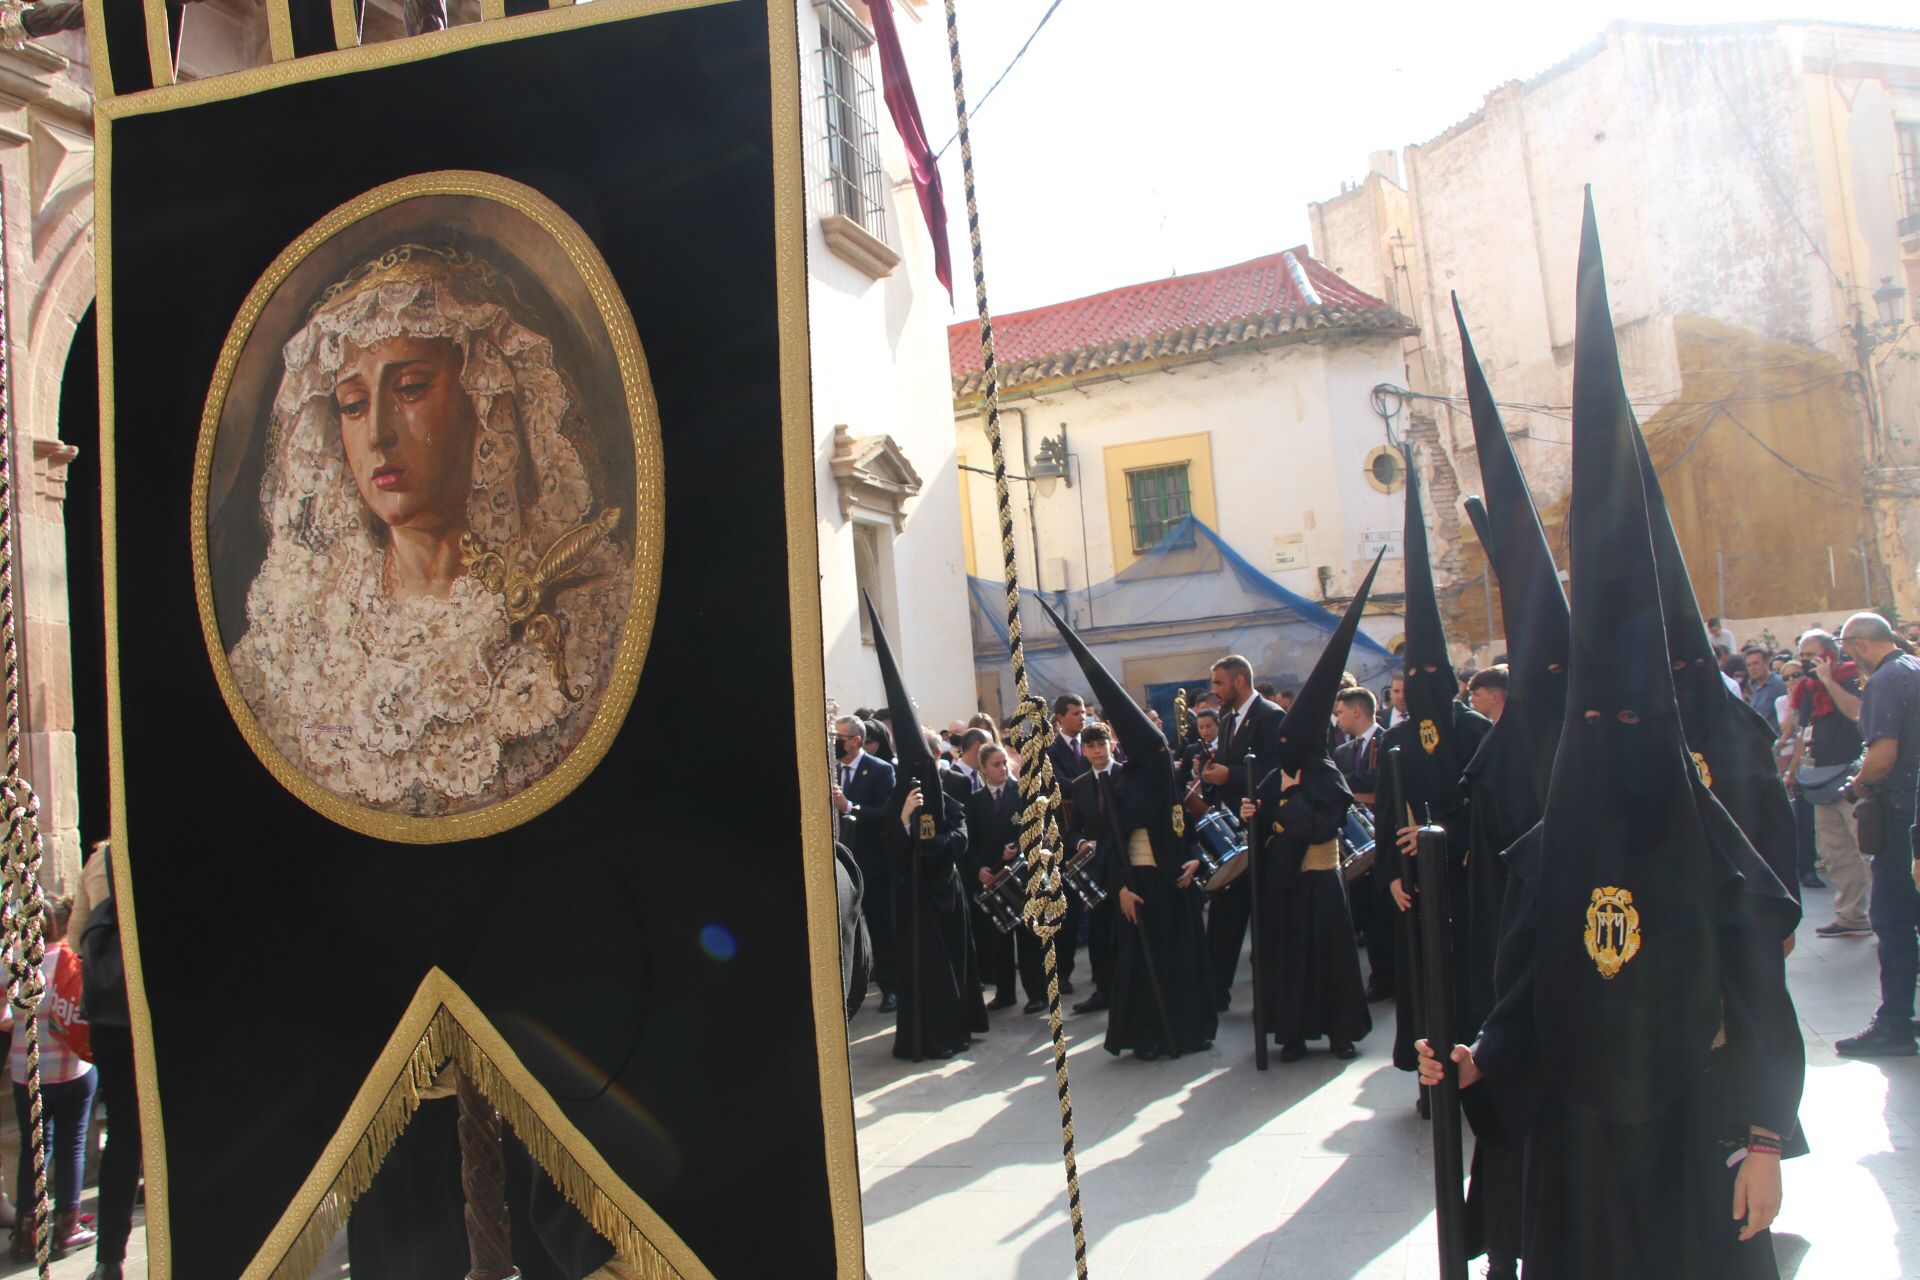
1033	731
23	932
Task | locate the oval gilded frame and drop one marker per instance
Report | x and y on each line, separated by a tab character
648	513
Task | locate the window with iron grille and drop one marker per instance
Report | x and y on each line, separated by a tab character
857	183
1158	498
1908	176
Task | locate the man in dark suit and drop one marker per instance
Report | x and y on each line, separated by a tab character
1358	759
1249	724
862	787
1090	826
1068	756
993	840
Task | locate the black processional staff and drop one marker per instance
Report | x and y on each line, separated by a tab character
1400	812
1253	895
1436	915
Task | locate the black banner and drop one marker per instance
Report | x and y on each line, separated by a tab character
534	814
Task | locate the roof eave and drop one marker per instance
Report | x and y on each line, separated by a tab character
1172	348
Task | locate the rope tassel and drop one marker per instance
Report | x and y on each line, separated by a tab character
1033	730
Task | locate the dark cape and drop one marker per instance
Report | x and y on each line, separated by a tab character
1437	740
1161	979
1310	984
1433	789
1168	945
945	996
1642	1021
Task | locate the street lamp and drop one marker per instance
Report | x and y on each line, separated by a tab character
1889	298
1049	465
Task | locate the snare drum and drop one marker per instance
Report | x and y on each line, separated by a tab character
1003	898
1356	843
1220	839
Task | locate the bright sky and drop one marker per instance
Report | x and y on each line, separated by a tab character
1138	139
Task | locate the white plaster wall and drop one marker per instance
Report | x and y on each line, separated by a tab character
880	367
1289	431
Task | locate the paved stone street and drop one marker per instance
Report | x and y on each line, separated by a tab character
1203	1167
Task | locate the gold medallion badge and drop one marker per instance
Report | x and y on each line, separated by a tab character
1179	821
1706	774
927	831
1613	930
1429	737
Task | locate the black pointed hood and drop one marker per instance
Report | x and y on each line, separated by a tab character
1532	601
1304	732
1730	743
1627	982
1137	734
1149	765
914	761
1426	637
1696	672
1434	764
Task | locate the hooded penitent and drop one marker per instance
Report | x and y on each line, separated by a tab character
1627	977
1433	769
1304	732
1520	749
910	745
1148	762
1730	742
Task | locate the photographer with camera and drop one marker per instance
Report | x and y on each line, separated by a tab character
1827	702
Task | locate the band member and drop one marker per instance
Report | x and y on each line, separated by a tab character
1507	778
940	1009
1248	723
1068	756
1310	985
1160	993
1089	824
1643	1036
1375	917
993	842
1436	739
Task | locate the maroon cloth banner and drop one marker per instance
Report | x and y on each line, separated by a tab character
898	91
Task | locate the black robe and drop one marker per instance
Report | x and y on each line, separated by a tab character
1505	804
1624	1201
947	1000
1168	946
1310	962
1430	794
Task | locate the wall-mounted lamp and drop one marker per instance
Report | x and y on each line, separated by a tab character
1049	464
1890	299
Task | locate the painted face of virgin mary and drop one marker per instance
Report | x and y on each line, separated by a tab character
408	427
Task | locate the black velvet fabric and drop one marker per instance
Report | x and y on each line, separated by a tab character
280	950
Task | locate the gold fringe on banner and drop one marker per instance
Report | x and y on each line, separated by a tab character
446	1043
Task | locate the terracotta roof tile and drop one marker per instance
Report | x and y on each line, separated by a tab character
1243	305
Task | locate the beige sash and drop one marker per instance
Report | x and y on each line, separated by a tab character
1140	849
1322	857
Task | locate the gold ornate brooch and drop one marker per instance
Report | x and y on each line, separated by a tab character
529	596
1613	930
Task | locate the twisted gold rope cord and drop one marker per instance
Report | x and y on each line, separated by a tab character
22	901
1033	731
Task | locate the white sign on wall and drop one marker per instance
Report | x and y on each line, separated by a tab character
1373	539
1290	551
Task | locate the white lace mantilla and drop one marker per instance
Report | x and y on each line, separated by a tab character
425	707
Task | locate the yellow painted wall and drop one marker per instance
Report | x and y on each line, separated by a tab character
1195	450
1759	458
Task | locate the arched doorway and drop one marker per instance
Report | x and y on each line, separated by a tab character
86	581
